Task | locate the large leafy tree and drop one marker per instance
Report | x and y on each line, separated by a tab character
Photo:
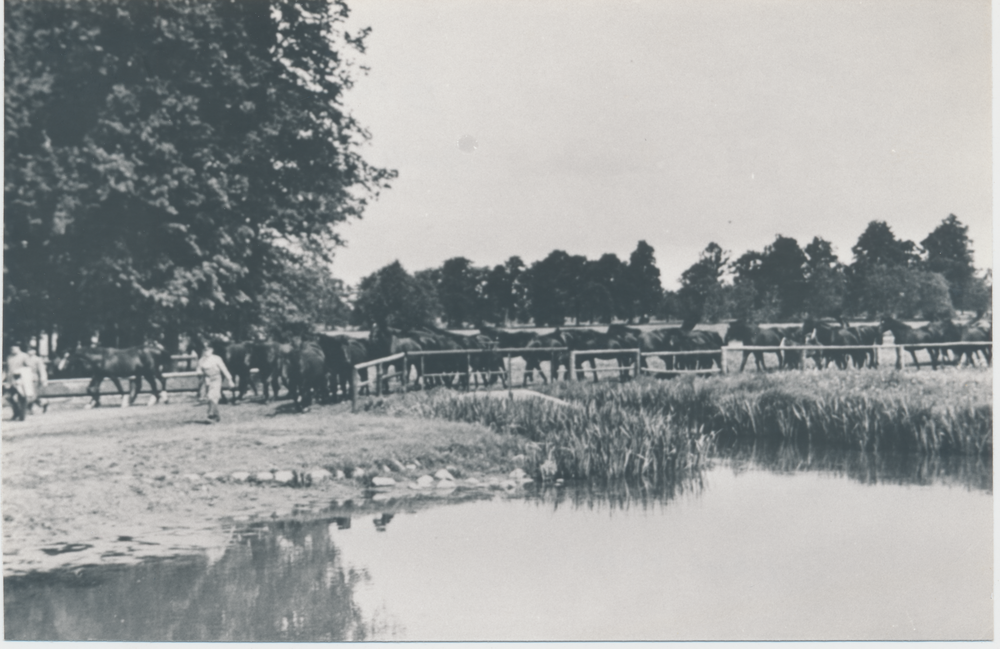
880	260
949	252
505	292
644	280
460	291
701	292
771	284
164	158
554	288
826	283
391	297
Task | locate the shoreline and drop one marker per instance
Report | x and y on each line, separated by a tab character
121	485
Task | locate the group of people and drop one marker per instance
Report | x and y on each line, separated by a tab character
25	373
24	376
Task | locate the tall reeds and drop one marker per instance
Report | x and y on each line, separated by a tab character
942	412
654	429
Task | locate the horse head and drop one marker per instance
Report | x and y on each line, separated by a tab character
888	323
738	330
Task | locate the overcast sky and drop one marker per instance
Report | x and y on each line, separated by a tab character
598	123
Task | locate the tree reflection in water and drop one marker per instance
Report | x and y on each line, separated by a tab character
974	473
279	582
286	581
971	472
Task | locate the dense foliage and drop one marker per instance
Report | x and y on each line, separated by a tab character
170	164
784	282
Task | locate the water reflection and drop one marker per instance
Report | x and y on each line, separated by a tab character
826	541
867	468
278	582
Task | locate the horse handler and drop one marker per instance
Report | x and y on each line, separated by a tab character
213	370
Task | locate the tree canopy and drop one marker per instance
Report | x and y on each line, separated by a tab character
164	160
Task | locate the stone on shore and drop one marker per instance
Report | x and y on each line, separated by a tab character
379	481
444	474
284	477
317	476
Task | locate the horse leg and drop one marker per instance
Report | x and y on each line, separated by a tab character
126	397
155	397
758	358
913	353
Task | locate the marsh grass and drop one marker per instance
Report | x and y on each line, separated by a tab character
651	429
946	412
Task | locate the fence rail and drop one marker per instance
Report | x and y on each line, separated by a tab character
187	380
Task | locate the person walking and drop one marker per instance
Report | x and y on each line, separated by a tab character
21	381
213	370
39	375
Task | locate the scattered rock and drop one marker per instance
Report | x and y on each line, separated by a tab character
517	474
411	467
384	469
473	482
284	477
213	475
263	476
444	474
397	466
548	469
446	484
316	476
508	485
357	472
239	476
425	482
383	482
339	475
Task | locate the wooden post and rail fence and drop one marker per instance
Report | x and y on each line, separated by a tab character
186	380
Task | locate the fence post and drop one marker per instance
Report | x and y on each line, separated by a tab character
572	367
406	369
378	380
510	376
354	389
638	363
899	357
722	360
422	369
468	371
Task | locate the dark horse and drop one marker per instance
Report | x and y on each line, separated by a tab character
590	340
307	374
835	334
134	363
913	338
342	354
268	358
518	340
751	334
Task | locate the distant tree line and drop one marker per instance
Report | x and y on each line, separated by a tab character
783	282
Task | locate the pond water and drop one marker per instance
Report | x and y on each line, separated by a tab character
764	545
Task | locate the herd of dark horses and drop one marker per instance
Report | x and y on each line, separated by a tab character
321	368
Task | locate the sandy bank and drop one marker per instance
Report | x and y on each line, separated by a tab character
116	485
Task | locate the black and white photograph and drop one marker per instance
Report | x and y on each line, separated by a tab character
497	321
